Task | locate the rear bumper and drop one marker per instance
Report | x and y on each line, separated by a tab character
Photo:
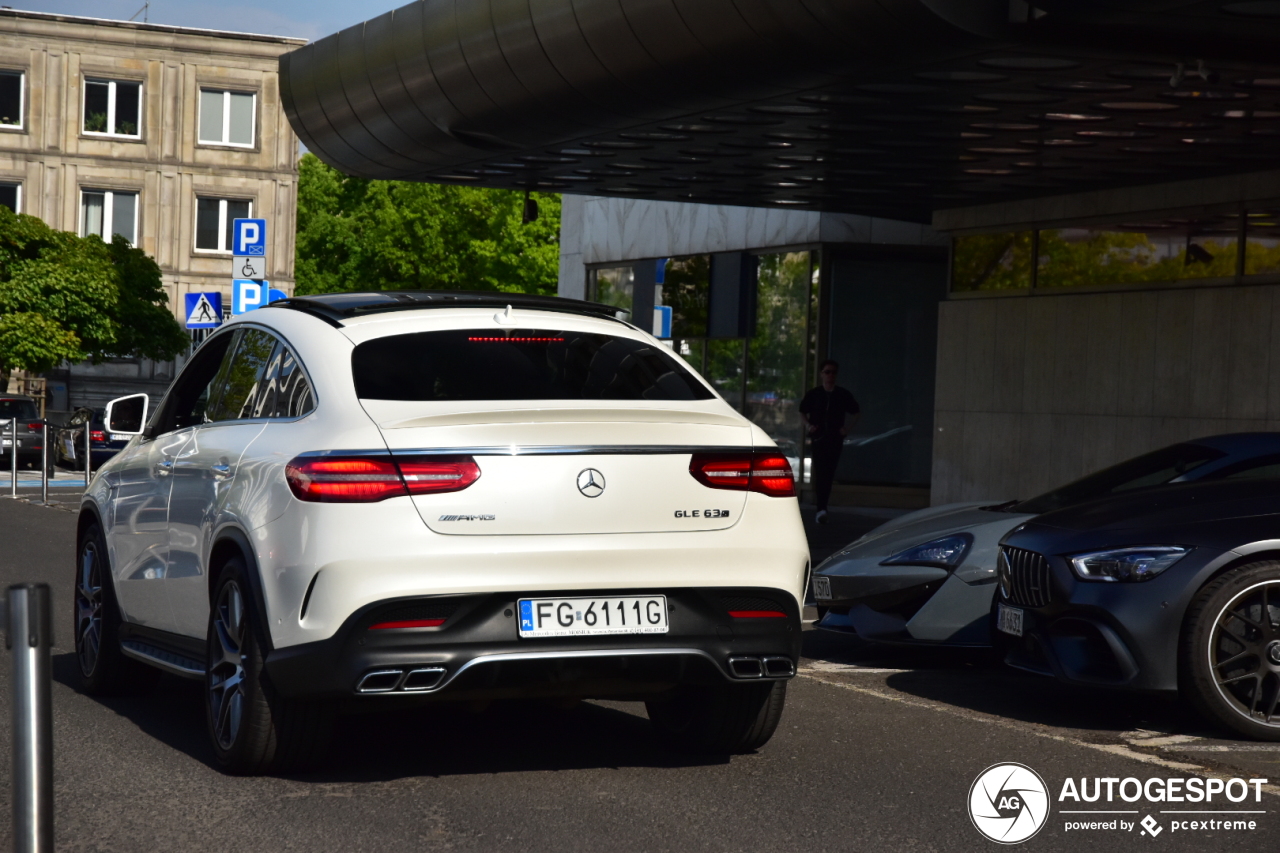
478	654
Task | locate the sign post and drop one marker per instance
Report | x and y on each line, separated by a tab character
249	286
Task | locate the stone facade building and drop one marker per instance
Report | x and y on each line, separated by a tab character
162	134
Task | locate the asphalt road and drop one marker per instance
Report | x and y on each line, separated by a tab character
877	750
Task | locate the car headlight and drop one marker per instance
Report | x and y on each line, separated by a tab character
1127	564
945	553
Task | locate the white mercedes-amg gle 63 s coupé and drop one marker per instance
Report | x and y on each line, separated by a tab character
369	498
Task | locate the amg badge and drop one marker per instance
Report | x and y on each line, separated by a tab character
466	518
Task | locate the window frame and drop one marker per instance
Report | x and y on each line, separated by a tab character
108	212
17	185
21	74
226	117
222	223
111	107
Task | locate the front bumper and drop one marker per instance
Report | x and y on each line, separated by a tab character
1122	635
478	654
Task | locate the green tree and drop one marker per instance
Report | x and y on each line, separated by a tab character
69	298
358	234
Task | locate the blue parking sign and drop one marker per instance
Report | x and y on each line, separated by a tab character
248	294
249	236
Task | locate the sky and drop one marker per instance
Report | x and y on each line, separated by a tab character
309	19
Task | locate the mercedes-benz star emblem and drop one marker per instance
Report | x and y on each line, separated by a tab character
591	482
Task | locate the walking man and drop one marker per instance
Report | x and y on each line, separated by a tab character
830	412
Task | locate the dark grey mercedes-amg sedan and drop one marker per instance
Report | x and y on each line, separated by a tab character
1174	588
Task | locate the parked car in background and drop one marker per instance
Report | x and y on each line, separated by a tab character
69	444
1175	588
30	433
929	577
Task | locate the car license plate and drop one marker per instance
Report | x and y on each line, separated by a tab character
7	442
821	587
115	436
579	617
1009	620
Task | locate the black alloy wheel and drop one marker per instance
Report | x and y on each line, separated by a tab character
226	683
1233	653
89	607
252	727
728	718
104	669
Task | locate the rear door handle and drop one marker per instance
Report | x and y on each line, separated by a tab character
221	471
164	467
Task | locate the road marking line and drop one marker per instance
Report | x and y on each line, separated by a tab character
1117	749
829	666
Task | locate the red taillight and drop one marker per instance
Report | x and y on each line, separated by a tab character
366	479
757	614
408	623
426	475
767	473
34	427
97	435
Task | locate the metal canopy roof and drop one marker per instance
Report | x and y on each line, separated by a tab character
889	107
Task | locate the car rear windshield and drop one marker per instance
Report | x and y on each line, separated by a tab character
519	364
21	409
1151	469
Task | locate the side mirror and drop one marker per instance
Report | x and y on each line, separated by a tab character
127	415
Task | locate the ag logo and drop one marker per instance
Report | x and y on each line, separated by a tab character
1008	803
591	482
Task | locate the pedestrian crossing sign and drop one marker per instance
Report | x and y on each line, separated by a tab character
204	310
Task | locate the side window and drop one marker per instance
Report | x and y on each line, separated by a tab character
188	399
293	393
238	390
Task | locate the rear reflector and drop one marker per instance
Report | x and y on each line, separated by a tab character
408	623
367	479
766	473
757	614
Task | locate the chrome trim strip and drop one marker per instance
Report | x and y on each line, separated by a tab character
182	667
575	450
546	450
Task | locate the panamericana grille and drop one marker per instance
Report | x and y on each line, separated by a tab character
1025	577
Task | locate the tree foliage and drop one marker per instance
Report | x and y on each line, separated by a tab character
358	234
69	298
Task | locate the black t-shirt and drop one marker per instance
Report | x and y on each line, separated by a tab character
828	409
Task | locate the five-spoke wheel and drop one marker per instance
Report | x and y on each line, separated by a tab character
89	607
226	684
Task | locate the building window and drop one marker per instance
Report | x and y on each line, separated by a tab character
112	107
11	197
226	118
107	213
11	91
213	222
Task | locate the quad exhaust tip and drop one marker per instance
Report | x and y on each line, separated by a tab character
415	680
771	666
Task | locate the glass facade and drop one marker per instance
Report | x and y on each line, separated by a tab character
1173	249
882	327
884	332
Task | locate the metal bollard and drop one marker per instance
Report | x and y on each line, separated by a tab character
44	462
13	458
88	453
30	636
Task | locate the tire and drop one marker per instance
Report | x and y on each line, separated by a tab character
254	730
104	669
1230	655
726	719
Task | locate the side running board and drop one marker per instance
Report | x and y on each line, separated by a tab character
171	662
